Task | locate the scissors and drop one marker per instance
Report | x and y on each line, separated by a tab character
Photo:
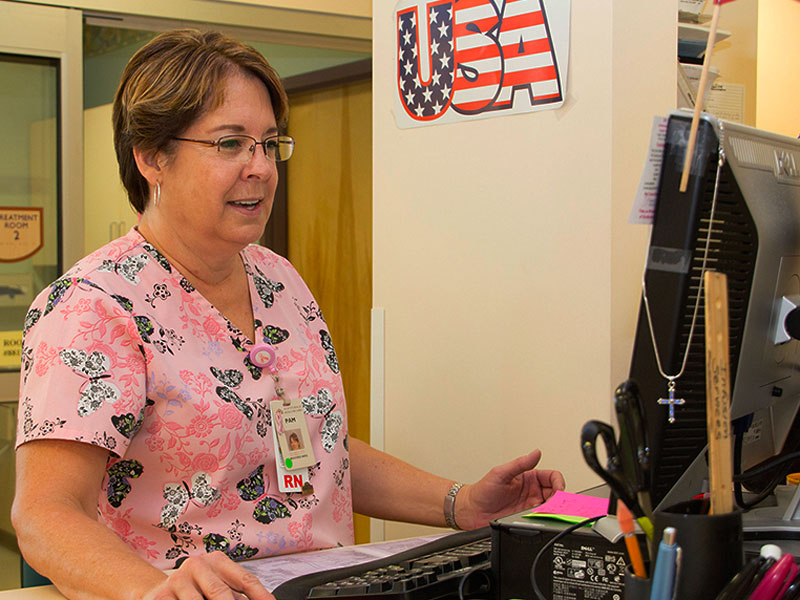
633	447
613	473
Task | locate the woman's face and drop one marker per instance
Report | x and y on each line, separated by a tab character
212	203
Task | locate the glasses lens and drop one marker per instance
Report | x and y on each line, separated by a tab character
235	146
280	148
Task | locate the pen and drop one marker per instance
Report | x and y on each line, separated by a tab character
775	580
739	586
625	519
667	563
793	591
762	571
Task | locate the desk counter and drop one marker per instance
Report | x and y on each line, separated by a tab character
275	570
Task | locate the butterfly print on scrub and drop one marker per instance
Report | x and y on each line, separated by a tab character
216	542
167	338
159	258
252	488
118	475
59	289
128	424
321	406
231	378
128	268
178	496
94	368
266	288
330	353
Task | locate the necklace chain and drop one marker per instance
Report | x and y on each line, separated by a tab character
671	378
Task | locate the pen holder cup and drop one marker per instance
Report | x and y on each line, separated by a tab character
711	547
636	588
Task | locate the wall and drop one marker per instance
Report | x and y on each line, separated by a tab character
501	254
103	70
778	80
321	19
735	56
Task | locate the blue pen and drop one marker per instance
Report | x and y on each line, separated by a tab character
667	563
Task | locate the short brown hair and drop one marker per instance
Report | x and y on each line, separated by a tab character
171	82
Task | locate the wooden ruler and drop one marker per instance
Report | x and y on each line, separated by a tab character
718	393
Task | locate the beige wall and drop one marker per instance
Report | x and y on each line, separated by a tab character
759	55
778	79
358	8
501	254
735	56
347	26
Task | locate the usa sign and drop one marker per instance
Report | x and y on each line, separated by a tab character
459	60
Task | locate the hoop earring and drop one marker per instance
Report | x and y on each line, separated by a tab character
157	194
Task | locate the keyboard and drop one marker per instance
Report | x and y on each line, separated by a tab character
454	566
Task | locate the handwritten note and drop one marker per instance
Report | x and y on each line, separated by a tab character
573	508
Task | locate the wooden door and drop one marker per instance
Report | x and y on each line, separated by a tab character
329	206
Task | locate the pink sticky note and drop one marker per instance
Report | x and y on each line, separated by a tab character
571	507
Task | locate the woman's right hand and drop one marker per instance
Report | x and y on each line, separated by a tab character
55	517
211	576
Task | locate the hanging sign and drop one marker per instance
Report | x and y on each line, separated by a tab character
21	232
10	349
458	60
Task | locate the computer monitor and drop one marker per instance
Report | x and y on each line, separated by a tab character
754	238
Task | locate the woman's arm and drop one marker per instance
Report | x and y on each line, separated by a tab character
388	488
55	517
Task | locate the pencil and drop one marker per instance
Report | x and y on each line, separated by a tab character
625	519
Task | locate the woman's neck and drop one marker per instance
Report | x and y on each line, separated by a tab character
201	266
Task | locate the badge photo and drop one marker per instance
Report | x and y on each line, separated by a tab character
292	433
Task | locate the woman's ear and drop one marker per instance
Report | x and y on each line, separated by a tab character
149	164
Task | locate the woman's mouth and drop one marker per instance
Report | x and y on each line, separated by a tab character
250	204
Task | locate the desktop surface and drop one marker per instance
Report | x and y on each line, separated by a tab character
291	576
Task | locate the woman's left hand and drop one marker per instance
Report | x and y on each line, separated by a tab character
506	489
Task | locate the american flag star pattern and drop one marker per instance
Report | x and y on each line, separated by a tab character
427	98
462	59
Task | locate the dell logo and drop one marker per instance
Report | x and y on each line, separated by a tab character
785	165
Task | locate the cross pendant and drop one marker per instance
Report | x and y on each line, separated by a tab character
671	400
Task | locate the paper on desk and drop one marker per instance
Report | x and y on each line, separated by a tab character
573	508
276	570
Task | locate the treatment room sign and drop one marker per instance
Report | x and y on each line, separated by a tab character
459	60
21	232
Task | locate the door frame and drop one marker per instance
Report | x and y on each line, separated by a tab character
43	31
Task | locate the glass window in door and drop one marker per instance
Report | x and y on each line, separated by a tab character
29	191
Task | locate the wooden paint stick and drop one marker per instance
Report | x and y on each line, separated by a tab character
718	393
700	98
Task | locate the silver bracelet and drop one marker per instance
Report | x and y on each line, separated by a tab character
450	505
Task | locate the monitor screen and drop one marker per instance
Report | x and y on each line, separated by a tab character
740	215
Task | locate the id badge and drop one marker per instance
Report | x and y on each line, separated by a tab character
289	425
289	481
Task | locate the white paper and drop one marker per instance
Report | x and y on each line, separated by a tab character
692	6
726	101
279	569
644	203
689	82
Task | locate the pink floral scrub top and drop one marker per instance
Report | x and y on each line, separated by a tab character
122	352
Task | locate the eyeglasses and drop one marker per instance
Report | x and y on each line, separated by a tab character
242	147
